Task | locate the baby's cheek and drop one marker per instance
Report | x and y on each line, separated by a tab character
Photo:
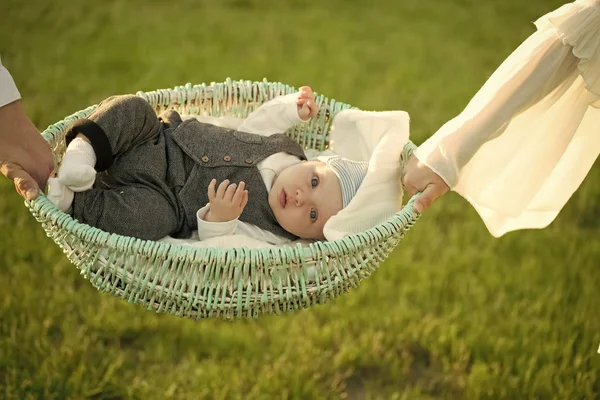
319	232
292	222
283	219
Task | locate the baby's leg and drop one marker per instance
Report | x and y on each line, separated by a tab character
76	171
118	124
137	211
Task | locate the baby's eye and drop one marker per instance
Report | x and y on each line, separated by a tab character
314	182
313	214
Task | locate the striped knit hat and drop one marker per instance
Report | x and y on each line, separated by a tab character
350	174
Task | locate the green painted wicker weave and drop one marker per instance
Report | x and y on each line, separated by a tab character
213	282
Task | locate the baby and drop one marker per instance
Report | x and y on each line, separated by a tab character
129	172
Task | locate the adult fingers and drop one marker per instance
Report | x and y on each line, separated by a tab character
410	190
409	169
429	195
38	166
46	168
25	185
42	162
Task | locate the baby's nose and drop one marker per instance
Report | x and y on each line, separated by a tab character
300	198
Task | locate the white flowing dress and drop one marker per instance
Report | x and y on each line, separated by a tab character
528	138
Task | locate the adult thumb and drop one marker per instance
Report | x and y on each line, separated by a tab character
428	196
25	185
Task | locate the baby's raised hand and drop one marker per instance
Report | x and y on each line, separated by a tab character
307	105
226	202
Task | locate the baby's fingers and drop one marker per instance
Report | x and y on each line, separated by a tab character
305	99
239	194
244	199
221	189
211	190
230	192
305	94
306	91
313	107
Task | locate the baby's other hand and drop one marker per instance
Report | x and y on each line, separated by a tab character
307	105
226	202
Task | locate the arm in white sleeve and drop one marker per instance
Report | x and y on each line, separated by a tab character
515	86
275	116
525	142
207	230
8	89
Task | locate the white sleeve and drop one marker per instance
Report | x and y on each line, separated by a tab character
208	230
8	89
275	116
519	83
526	140
255	232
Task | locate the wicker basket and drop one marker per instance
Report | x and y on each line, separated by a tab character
213	282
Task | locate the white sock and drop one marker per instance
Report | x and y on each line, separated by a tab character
60	195
77	168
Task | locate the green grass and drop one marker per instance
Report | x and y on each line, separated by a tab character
453	313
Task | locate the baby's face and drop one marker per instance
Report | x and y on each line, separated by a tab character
304	196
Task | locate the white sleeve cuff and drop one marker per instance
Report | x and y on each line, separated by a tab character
207	230
291	108
275	116
8	89
432	157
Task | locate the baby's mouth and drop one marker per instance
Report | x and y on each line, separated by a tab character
282	198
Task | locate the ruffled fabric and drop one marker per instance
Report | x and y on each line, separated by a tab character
577	24
529	136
